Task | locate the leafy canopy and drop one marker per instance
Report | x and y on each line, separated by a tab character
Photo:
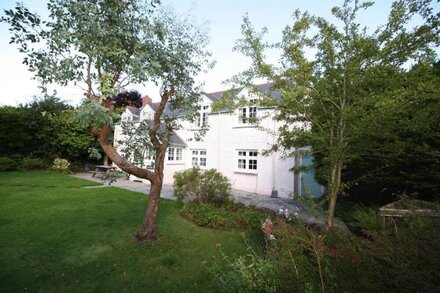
328	97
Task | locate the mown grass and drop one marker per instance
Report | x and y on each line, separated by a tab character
58	236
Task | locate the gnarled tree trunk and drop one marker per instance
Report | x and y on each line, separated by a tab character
148	230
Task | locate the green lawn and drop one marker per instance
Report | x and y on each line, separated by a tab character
57	236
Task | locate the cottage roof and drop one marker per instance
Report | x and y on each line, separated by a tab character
265	88
176	140
167	112
134	110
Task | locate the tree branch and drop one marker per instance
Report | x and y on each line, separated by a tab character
103	136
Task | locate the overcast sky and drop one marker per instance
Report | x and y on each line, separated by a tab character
224	18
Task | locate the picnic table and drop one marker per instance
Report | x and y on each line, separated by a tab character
103	169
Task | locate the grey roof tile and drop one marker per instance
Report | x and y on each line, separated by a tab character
134	111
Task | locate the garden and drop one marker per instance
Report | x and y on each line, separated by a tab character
364	106
60	233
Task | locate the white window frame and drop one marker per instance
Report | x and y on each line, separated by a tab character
175	154
203	115
197	156
248	112
247	161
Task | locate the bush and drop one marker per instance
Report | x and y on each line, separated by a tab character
204	214
208	186
61	165
33	163
7	164
249	218
367	219
250	273
398	258
228	216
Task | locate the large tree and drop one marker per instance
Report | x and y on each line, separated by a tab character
326	74
404	156
104	45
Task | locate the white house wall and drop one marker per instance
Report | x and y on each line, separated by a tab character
222	142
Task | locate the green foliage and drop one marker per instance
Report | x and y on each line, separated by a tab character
29	163
367	219
403	157
14	131
391	257
247	217
108	178
43	128
329	98
72	141
61	165
7	164
94	153
228	216
91	114
249	273
204	215
208	186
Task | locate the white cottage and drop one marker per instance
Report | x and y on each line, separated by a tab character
233	146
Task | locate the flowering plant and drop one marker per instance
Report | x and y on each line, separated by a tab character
267	228
286	215
61	165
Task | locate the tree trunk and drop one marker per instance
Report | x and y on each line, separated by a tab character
105	159
335	184
149	231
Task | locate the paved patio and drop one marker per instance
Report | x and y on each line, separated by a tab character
312	217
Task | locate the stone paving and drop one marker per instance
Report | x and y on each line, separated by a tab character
311	216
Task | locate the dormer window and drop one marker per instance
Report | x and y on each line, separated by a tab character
247	114
203	118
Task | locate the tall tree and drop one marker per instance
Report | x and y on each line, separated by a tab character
326	96
104	45
404	156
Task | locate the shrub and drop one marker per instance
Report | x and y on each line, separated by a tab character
61	165
249	218
250	273
400	258
7	164
367	219
204	214
208	186
33	163
186	183
227	216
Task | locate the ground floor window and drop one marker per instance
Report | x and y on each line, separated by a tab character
199	158
247	160
175	154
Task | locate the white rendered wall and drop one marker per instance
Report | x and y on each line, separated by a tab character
222	142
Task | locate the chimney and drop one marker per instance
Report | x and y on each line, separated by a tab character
147	100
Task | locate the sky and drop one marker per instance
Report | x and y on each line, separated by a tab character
223	18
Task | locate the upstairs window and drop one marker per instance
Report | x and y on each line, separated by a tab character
247	114
203	116
247	160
